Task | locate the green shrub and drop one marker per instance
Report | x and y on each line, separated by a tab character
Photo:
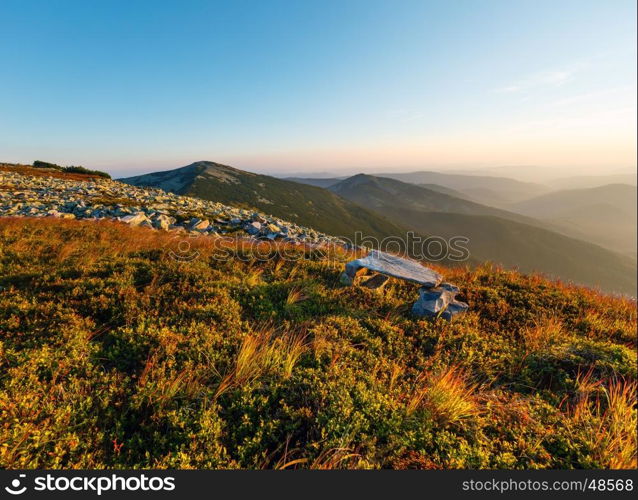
44	164
81	170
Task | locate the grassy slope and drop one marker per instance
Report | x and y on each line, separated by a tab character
114	355
45	172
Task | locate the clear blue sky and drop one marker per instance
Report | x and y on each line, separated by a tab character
136	86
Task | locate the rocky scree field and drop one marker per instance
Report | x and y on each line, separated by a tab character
31	192
115	355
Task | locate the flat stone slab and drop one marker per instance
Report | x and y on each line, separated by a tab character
391	265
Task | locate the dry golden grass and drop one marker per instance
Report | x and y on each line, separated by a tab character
608	412
447	395
296	295
261	353
543	334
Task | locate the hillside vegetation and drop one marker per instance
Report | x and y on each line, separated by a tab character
115	355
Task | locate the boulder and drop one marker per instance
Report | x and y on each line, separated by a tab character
135	219
258	218
199	225
253	228
439	302
163	222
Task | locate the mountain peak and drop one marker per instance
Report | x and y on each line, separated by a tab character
356	180
219	171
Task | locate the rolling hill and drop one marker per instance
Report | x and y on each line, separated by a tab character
378	192
605	215
327	182
306	205
593	181
495	235
323	182
490	190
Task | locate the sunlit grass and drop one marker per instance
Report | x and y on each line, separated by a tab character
115	355
447	395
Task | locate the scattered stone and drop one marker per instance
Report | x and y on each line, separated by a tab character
29	196
258	218
134	220
253	228
200	225
435	299
163	222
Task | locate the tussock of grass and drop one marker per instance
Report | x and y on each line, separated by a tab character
447	395
115	355
260	354
607	413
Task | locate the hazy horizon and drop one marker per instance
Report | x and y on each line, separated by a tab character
296	88
527	173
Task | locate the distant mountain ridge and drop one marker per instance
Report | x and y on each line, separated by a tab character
485	189
490	190
378	192
605	215
323	182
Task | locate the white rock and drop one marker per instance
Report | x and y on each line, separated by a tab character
135	220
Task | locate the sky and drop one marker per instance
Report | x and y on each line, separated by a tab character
334	86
